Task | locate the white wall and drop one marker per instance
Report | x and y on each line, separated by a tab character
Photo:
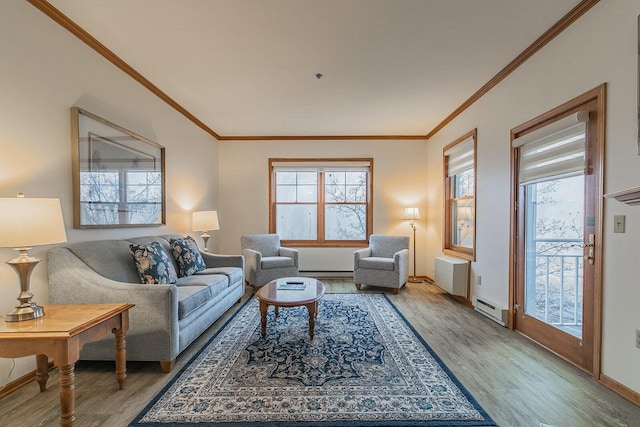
399	177
600	47
44	71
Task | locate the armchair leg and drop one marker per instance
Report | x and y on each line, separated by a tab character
396	290
358	285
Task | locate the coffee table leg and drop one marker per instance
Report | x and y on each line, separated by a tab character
312	308
263	318
66	382
42	363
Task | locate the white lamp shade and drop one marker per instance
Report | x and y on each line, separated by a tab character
412	213
205	220
26	222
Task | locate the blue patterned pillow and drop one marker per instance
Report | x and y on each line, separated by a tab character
153	264
188	256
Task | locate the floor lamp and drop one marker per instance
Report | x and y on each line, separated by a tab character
413	214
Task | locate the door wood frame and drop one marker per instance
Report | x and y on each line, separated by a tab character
597	94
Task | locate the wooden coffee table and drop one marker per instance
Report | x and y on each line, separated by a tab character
269	294
60	334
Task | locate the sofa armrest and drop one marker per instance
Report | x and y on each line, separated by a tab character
252	259
71	281
217	260
291	253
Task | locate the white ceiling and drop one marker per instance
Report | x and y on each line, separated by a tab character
247	67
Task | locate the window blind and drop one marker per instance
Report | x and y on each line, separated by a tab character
554	151
460	157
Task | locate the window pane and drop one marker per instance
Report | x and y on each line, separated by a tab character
462	233
307	178
296	222
286	178
344	187
346	222
307	193
286	193
463	184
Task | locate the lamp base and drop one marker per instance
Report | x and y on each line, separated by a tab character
27	309
414	280
24	312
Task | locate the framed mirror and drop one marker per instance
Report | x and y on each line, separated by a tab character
118	176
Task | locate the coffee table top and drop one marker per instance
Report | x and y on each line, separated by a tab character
311	290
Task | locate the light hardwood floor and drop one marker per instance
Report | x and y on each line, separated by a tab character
518	383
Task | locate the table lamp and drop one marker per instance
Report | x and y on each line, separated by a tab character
26	222
205	221
413	214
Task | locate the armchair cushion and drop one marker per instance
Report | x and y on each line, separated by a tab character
153	264
377	263
187	255
277	262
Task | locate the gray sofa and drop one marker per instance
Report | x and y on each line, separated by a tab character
166	318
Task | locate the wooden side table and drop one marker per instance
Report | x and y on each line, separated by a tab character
60	334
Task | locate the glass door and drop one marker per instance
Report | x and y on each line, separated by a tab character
557	161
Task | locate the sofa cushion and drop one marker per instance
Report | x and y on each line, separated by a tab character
190	298
187	255
276	262
233	273
377	263
196	290
153	264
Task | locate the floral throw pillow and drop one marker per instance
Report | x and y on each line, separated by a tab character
187	255
153	264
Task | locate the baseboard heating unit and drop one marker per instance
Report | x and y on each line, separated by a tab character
492	310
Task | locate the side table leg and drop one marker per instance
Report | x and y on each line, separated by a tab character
67	386
263	318
121	357
42	375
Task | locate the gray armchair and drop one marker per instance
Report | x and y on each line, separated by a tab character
266	260
384	263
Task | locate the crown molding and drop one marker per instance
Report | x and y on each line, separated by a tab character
48	9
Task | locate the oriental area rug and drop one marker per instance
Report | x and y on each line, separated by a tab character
365	367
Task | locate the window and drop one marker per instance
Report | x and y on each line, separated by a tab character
460	200
321	202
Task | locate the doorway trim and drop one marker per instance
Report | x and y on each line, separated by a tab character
597	94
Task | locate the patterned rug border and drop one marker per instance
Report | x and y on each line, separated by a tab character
488	421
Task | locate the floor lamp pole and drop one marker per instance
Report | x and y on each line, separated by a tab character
414	279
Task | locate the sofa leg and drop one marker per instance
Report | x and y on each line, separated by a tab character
166	366
396	290
358	285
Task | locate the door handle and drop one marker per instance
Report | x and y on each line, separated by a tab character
590	256
590	245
